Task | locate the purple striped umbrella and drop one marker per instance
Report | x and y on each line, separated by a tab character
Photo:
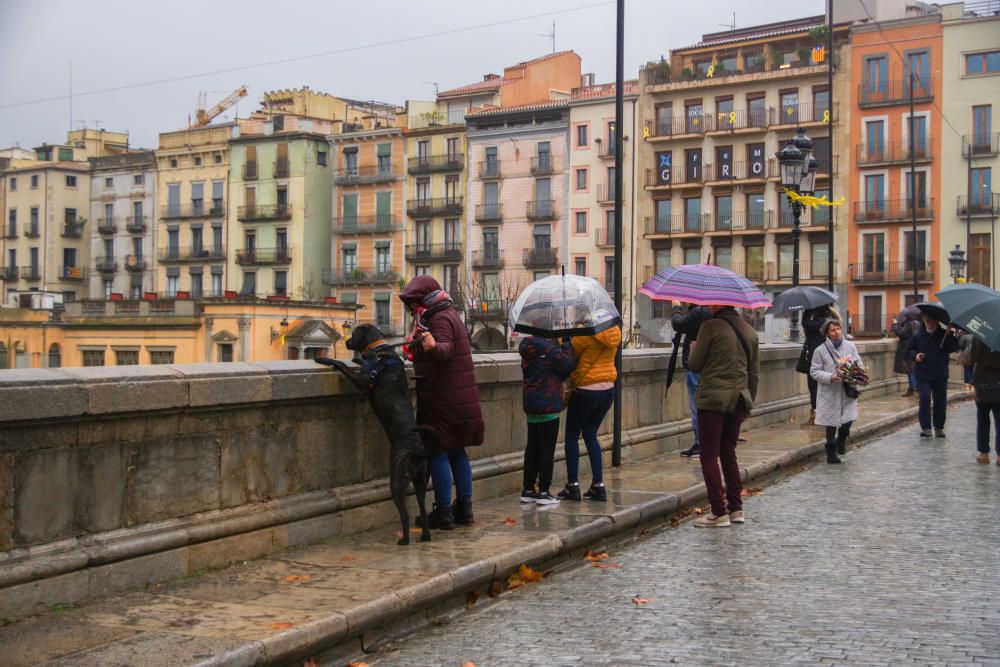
704	285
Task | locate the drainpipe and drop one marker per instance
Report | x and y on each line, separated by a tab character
616	444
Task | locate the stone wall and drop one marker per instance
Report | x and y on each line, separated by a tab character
120	476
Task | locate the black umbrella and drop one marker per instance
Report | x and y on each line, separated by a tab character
975	308
935	310
805	297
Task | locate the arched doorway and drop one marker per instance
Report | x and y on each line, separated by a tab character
55	356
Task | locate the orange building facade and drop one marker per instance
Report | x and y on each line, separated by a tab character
890	265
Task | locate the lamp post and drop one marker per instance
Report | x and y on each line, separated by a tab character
957	262
798	174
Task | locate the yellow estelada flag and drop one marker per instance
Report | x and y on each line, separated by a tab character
812	201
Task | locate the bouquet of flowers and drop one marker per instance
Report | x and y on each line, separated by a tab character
852	371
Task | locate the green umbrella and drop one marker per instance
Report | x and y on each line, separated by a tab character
975	308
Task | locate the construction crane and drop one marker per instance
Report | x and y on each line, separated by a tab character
203	117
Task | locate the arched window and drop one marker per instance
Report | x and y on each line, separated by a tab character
21	356
3	357
55	356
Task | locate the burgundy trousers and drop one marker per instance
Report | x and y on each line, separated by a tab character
719	432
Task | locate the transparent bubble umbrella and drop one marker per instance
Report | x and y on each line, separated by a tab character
557	306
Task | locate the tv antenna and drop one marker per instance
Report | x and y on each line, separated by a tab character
552	36
432	83
731	26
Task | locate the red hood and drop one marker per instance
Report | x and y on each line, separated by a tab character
418	289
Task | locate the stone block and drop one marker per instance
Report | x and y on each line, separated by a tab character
166	649
486	372
310	531
100	498
301	379
131	388
41	435
329	453
38	596
45	495
141	571
228	550
6	502
39	393
37	640
169	477
226	384
257	464
510	372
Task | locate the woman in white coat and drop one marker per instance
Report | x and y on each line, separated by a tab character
834	408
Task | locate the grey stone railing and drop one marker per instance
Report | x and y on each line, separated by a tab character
118	476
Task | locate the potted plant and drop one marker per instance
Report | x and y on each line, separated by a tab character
805	54
432	118
688	74
819	34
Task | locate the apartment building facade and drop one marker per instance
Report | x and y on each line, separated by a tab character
891	264
192	192
712	120
970	152
123	234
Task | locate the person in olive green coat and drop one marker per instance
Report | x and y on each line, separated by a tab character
727	357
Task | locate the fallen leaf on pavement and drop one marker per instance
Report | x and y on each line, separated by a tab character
439	621
348	558
468	664
298	577
282	625
641	601
595	555
751	491
643	531
698	510
496	588
357	664
510	521
675	521
470	599
608	566
524	575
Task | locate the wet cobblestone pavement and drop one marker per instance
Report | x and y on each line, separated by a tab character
891	558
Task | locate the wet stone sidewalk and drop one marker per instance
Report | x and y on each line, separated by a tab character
862	560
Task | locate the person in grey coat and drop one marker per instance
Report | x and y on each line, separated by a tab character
834	408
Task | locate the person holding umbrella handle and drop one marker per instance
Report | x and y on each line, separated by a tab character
930	348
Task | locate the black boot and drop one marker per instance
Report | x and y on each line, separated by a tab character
841	443
463	513
440	518
831	453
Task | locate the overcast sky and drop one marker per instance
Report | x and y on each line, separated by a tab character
114	43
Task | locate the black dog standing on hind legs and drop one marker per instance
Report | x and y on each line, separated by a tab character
383	378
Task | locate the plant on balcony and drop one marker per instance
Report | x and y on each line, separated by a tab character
805	54
760	62
432	118
819	34
658	71
688	73
356	274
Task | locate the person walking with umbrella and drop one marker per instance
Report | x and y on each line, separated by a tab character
930	348
985	366
904	327
812	321
836	404
688	323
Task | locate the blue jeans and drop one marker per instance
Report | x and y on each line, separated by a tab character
913	381
938	391
445	464
692	385
585	413
967	374
983	411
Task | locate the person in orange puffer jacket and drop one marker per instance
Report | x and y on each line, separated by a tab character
593	384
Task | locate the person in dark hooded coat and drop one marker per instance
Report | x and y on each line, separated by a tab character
447	397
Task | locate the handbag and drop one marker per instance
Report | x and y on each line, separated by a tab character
803	364
850	390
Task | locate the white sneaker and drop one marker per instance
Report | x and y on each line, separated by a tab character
737	517
712	521
545	498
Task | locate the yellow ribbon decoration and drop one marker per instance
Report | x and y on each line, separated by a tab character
812	201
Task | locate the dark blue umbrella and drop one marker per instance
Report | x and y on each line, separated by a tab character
975	308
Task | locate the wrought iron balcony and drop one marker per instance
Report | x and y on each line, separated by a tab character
364	176
604	237
136	224
8	272
606	193
803	114
980	204
743	221
880	272
540	257
10	231
982	144
135	263
893	210
739	119
178	255
106	264
31	273
281	169
262	212
358	276
894	152
884	93
72	229
543	165
73	273
482	259
676	126
196	209
429	164
250	171
32	232
263	256
741	170
107	227
489	169
424	208
367	224
489	212
541	209
433	252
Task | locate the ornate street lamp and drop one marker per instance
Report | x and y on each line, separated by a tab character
957	262
798	174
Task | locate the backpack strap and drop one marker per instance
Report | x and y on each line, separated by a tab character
743	343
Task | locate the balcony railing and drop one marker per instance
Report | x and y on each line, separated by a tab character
31	273
743	221
429	164
260	212
678	178
32	232
358	276
10	231
540	257
541	209
982	144
604	237
487	260
882	93
191	254
250	171
263	256
893	210
364	176
106	264
676	126
73	273
803	113
418	208
8	272
107	227
489	169
489	212
894	152
281	169
136	224
606	193
986	203
367	224
72	230
543	165
135	263
196	209
739	119
890	273
433	252
740	170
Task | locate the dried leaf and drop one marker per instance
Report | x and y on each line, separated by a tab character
347	559
282	625
357	664
439	621
510	521
468	664
643	531
594	556
292	578
524	575
496	588
638	601
751	491
674	521
471	598
608	566
698	510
